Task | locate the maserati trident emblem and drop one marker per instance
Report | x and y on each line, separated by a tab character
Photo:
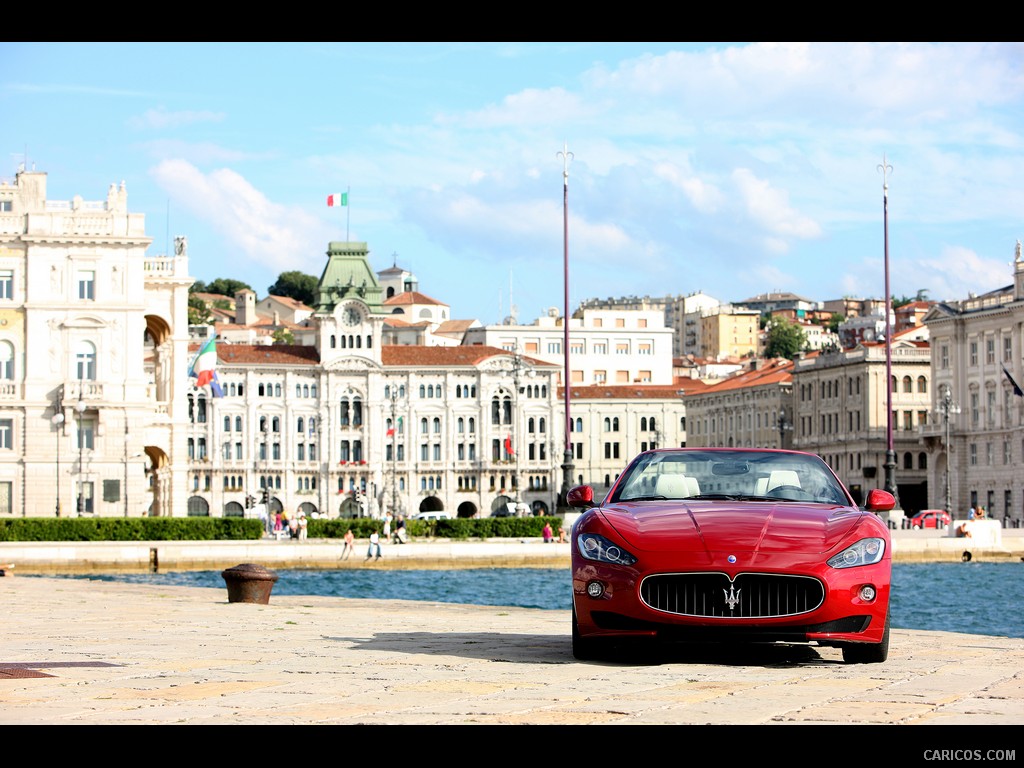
732	597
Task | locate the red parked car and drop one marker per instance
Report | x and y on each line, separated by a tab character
731	545
929	518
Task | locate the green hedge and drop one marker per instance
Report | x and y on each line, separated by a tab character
220	528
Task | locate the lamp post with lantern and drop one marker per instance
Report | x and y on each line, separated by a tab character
58	422
80	409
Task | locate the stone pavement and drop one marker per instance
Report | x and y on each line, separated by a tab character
77	651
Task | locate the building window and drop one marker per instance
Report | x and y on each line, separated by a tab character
85	359
6	361
944	356
6	434
990	351
1007	349
974	454
87	284
973	357
6	283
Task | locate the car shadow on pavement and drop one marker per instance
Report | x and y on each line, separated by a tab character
557	649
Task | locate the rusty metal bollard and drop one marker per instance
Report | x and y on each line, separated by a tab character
249	583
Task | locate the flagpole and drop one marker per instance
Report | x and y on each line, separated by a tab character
348	213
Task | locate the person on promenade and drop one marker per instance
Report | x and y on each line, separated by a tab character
293	527
387	526
349	548
547	533
400	535
561	535
303	525
374	546
278	524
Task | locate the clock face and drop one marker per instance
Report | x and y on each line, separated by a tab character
351	316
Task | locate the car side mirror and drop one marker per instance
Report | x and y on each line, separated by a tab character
879	500
582	496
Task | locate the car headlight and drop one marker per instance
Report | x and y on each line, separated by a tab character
864	552
595	547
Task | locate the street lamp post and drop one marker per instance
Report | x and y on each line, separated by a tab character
566	156
57	420
80	408
393	397
518	368
948	408
890	453
784	426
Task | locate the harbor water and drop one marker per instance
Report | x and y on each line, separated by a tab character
984	598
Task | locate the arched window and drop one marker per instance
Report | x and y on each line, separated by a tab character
437	426
460	425
423	391
6	361
922	384
472	426
238	423
542	425
85	358
907	385
922	460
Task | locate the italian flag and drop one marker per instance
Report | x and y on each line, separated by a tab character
337	200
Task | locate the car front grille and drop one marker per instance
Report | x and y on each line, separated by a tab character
748	596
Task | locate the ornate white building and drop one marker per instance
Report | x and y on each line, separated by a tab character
977	436
94	338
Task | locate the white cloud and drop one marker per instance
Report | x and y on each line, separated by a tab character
162	119
278	237
769	208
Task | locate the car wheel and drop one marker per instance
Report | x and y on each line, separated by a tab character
868	653
582	648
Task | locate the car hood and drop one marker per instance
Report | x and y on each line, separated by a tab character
712	526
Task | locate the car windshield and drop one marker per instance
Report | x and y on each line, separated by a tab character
723	474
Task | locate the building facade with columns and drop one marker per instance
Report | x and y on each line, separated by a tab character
976	438
94	335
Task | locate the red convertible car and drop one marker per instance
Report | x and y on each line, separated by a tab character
731	545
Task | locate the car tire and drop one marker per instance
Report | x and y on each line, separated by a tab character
583	649
869	653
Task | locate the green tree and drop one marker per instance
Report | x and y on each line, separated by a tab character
198	312
834	322
226	286
283	336
785	339
296	285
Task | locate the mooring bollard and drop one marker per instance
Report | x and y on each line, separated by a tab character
249	583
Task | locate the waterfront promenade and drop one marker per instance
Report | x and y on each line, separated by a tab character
78	651
85	557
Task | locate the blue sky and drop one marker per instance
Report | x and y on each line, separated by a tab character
728	168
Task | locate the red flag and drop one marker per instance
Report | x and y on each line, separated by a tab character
391	432
508	446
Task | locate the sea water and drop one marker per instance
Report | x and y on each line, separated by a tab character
985	598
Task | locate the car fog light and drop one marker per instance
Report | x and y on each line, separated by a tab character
867	593
595	589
